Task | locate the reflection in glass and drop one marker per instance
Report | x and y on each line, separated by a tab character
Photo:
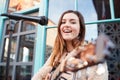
51	35
102	8
13	49
15	28
28	25
2	73
23	73
87	9
57	7
117	8
93	10
91	32
17	5
26	48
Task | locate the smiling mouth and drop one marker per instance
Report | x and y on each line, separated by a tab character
67	31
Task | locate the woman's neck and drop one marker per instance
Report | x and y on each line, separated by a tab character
69	46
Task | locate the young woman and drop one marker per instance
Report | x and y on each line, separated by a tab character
63	61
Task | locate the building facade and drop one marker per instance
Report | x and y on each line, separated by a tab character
31	43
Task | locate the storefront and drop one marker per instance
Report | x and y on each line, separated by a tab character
32	43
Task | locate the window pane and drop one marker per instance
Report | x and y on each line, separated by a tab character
17	5
26	48
91	32
117	8
51	34
56	7
23	73
13	49
15	27
2	73
93	10
27	26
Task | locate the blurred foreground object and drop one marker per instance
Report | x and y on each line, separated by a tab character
94	53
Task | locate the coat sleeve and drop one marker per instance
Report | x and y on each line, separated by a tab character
41	74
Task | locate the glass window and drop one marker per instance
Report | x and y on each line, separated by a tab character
13	49
28	25
2	73
15	27
117	8
23	73
91	32
22	48
56	7
26	48
51	35
16	5
93	10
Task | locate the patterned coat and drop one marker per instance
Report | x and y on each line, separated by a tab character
97	72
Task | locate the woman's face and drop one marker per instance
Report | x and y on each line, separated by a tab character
70	26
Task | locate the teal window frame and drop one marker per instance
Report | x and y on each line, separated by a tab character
3	9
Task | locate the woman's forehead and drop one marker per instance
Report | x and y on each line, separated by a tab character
70	16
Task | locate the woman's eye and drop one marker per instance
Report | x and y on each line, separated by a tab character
62	22
73	22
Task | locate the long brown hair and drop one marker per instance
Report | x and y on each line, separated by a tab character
60	45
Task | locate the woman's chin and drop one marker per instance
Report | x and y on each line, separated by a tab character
68	39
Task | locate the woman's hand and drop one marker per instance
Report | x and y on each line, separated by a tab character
73	64
69	62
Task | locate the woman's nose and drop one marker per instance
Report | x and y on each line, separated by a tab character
67	23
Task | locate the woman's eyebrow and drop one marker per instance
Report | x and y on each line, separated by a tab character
63	19
70	19
73	19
